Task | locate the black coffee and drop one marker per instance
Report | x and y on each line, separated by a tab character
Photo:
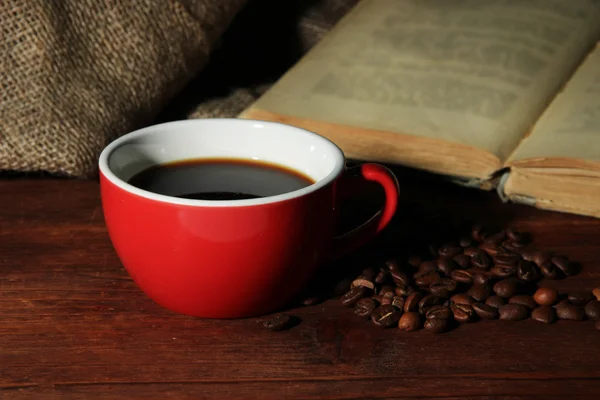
220	179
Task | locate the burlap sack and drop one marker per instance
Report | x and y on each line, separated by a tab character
74	74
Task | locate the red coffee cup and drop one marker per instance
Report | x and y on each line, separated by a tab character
238	258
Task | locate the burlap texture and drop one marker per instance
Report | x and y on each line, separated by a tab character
74	74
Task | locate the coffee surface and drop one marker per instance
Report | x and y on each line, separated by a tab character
220	179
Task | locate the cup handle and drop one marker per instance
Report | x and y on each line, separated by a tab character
359	236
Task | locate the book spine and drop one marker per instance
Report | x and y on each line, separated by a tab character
527	200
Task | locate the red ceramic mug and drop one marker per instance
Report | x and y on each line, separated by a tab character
238	258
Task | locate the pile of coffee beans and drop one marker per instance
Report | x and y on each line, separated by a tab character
487	275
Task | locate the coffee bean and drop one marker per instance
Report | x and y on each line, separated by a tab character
443	288
392	265
527	271
414	261
400	278
520	238
503	271
449	251
592	310
495	301
436	325
362	282
465	242
277	322
528	254
425	281
352	296
485	311
412	302
477	233
512	247
545	296
481	260
462	260
404	290
470	251
507	287
561	303
545	314
425	267
386	289
428	301
462	312
596	293
523	300
462	276
364	307
598	325
495	238
439	311
386	316
539	257
446	266
410	321
473	266
550	271
462	298
490	248
506	258
580	298
311	301
387	298
398	302
563	264
382	277
480	292
570	312
481	279
513	312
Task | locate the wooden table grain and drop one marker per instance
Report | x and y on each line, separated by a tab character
74	325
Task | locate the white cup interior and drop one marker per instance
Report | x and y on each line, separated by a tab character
295	148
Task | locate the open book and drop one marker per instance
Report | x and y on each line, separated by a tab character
495	94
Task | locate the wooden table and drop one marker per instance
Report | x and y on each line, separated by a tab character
73	324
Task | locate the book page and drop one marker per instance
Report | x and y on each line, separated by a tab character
570	126
467	71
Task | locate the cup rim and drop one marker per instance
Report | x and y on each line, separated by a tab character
122	184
